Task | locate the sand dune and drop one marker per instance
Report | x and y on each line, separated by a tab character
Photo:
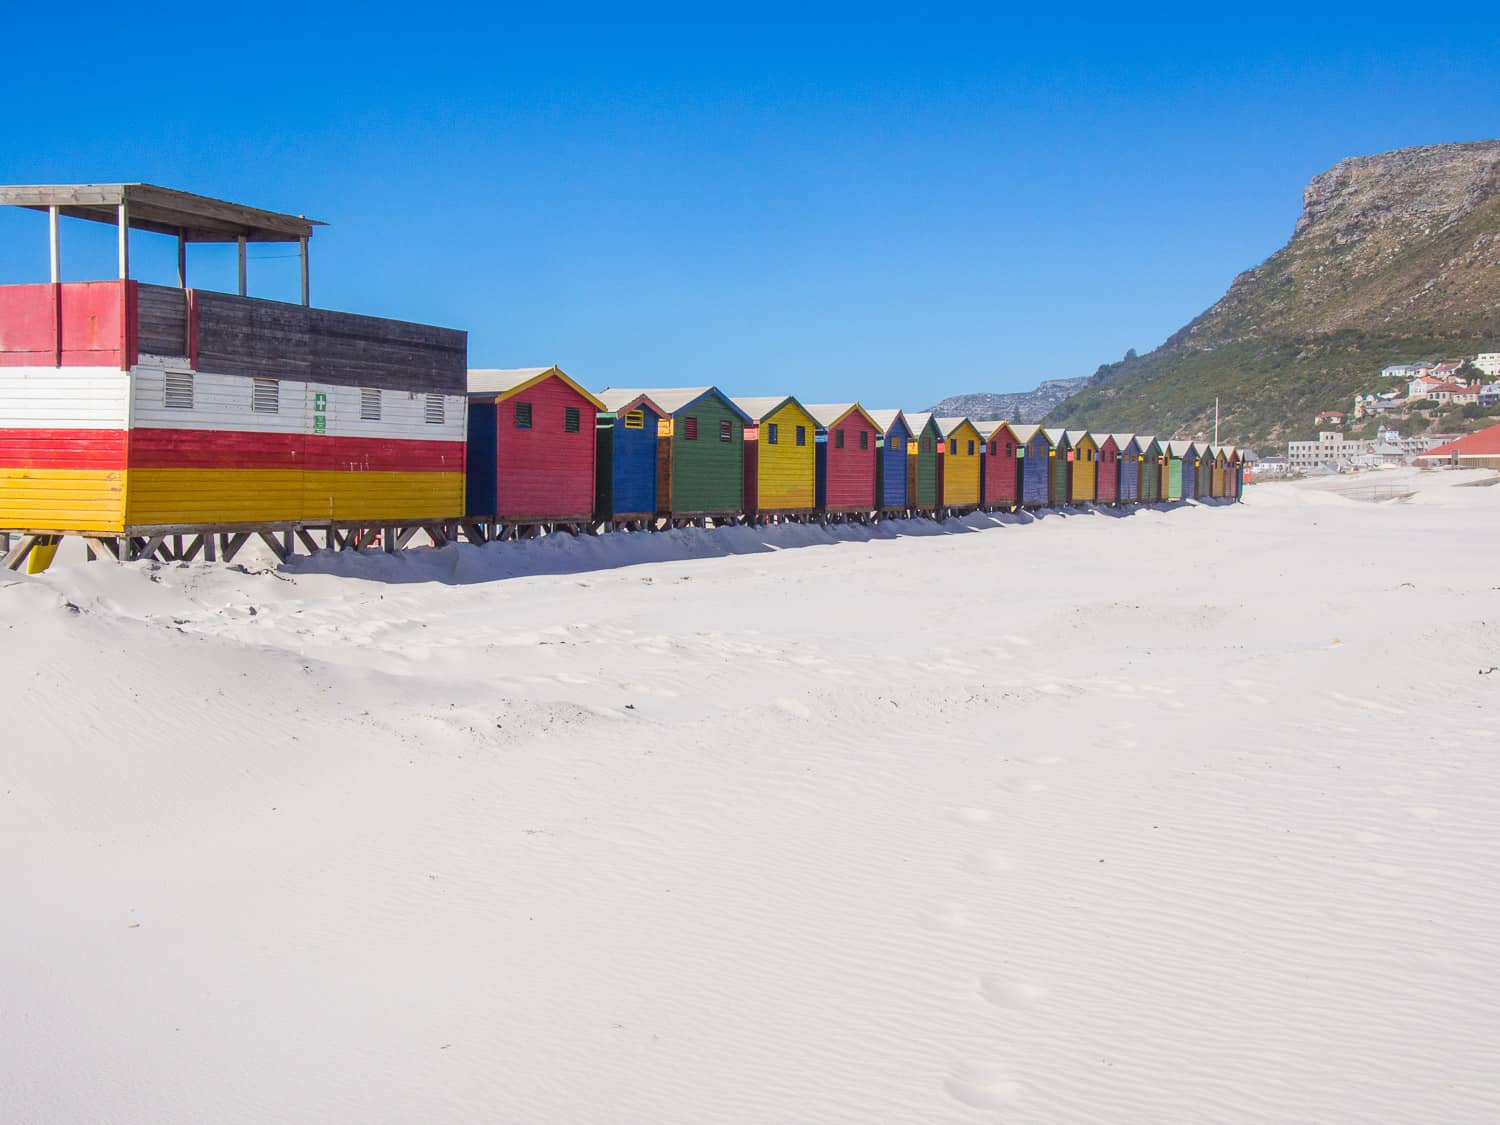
1180	816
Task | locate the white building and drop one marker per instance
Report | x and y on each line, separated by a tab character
1489	394
1405	370
1329	451
1489	363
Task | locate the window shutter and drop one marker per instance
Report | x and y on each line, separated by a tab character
435	413
571	420
265	396
635	420
690	429
369	404
801	435
726	431
523	415
177	390
838	439
864	439
773	433
971	449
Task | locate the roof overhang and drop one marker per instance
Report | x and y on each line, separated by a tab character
195	218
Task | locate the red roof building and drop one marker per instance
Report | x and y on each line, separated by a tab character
1477	451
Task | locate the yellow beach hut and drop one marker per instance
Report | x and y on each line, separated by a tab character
959	477
1085	465
781	458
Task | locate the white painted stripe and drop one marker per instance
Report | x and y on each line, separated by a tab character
63	398
223	402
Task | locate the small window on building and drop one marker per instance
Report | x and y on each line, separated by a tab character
571	420
838	439
953	447
265	396
864	439
635	420
523	415
690	429
177	390
801	435
726	431
898	444
436	412
971	448
994	448
773	433
369	404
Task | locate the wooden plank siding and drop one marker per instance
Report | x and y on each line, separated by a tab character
544	451
780	458
1060	457
1107	472
891	465
848	455
922	477
626	461
706	473
1036	469
1084	467
1002	468
1148	476
961	464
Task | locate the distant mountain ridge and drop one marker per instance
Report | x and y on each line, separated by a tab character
1033	404
1396	257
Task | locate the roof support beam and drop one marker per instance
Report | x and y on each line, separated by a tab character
242	265
306	286
124	242
55	243
182	259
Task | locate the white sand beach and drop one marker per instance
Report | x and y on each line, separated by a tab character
1182	815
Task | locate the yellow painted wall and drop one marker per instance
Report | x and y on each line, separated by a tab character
961	469
62	499
787	471
1216	487
1085	468
185	496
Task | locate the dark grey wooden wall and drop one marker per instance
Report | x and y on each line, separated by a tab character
250	336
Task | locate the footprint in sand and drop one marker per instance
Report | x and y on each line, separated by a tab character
971	816
982	1086
986	863
1007	992
1019	785
943	916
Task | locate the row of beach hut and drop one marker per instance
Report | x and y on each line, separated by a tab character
543	450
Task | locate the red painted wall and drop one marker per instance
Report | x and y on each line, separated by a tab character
90	314
544	472
1107	473
1000	477
62	449
851	470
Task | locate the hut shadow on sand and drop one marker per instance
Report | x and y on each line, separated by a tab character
564	554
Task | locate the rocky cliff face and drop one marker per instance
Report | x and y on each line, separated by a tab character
1032	406
1395	256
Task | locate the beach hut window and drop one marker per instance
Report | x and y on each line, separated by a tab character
435	413
690	429
898	444
265	396
838	439
801	435
994	447
571	420
971	449
523	415
773	434
726	431
635	420
864	439
369	404
177	390
953	446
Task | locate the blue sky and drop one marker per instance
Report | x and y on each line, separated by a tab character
864	202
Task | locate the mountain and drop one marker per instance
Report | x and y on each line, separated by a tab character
1395	258
1002	407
